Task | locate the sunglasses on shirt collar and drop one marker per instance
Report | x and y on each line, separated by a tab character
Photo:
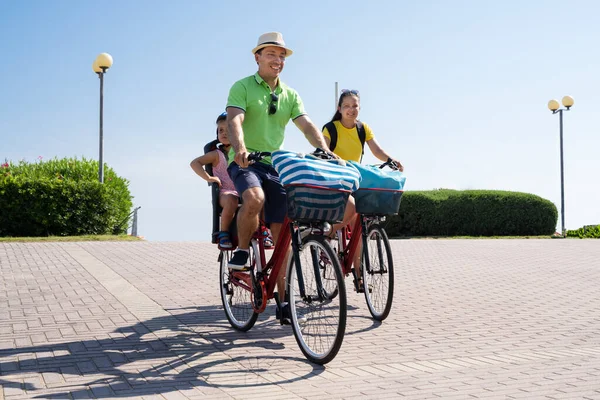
273	104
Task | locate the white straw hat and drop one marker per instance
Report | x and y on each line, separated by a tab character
271	39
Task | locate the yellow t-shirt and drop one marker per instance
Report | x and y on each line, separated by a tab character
348	145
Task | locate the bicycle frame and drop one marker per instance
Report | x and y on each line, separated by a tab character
316	313
269	269
349	248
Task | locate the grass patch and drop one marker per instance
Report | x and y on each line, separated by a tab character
83	238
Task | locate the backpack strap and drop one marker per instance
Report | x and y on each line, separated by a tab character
332	134
362	135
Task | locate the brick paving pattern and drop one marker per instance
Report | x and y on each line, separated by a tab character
499	319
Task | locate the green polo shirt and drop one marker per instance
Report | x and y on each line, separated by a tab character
264	132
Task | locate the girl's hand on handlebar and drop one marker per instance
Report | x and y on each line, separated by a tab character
393	164
398	165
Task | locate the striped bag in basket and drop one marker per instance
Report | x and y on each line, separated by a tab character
317	190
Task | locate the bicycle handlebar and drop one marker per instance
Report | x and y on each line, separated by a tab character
256	156
389	163
322	154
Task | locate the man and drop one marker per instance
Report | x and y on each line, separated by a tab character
258	109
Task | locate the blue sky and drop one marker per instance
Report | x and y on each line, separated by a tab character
456	90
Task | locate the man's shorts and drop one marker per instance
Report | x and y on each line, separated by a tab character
263	176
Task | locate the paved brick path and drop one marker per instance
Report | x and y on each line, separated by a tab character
471	319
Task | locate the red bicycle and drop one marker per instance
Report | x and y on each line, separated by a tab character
318	319
377	263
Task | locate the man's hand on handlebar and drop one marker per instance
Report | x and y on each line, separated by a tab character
332	154
241	159
325	154
256	156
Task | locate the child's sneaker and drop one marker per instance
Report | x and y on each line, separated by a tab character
268	243
238	260
224	240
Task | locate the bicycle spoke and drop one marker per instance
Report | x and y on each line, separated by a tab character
318	319
235	295
378	274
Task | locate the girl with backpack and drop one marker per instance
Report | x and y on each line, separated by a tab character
346	136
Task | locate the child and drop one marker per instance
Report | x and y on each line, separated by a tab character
228	197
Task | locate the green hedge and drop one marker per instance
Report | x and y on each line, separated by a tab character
62	198
589	231
447	212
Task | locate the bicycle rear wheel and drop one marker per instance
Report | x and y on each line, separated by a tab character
318	319
378	273
236	294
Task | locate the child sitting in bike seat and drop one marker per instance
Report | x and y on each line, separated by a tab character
228	196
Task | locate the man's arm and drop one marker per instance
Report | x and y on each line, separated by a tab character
312	134
235	118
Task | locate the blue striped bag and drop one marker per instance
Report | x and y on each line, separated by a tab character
317	190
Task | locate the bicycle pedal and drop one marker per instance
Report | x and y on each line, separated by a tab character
245	269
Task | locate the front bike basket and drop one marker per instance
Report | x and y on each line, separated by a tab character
378	201
309	203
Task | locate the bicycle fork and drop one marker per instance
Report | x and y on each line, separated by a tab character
380	252
296	248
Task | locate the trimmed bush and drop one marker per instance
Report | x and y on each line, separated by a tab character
62	198
589	231
447	212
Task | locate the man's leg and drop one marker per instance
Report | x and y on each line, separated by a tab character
248	183
275	230
275	211
247	220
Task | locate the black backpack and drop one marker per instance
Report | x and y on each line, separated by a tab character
362	135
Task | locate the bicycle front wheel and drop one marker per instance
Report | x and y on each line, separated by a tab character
236	295
318	319
378	273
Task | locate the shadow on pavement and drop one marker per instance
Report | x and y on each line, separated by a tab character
156	356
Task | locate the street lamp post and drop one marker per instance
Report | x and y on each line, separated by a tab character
554	106
101	64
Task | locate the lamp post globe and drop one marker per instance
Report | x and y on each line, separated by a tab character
95	67
568	101
104	60
553	105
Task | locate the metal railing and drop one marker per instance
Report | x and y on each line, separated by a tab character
135	221
118	228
